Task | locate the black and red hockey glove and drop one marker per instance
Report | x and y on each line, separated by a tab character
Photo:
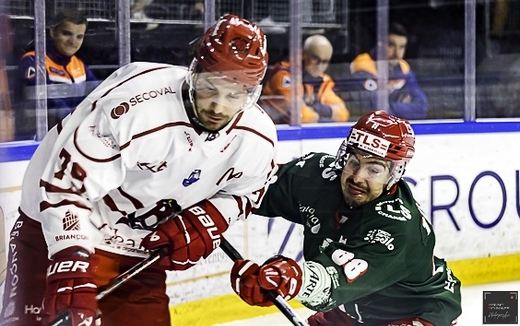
279	274
70	286
188	236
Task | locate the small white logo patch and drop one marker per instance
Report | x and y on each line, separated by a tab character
381	236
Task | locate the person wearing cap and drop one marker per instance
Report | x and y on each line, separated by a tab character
368	246
157	156
68	78
319	103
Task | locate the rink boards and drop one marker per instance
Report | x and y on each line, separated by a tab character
465	175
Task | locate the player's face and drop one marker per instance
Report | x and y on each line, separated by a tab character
217	100
68	37
396	48
363	178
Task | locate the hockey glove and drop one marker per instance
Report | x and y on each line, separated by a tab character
70	286
189	236
279	274
325	111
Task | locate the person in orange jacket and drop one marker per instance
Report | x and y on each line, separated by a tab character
69	80
320	102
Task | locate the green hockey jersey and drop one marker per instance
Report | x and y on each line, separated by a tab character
391	272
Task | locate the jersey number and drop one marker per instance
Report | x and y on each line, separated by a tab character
352	267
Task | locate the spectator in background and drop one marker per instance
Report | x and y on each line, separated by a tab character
320	102
69	80
405	98
137	11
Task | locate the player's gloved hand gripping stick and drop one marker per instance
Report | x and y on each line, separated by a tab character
277	299
65	318
182	240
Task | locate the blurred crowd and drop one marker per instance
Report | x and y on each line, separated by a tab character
423	75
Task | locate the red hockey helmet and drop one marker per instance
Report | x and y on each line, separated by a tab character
383	135
234	48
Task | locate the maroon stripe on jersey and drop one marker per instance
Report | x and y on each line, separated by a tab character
256	133
240	205
233	126
151	131
54	189
112	205
124	81
45	204
137	204
236	126
98	160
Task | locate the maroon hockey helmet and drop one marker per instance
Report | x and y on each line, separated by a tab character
383	135
235	48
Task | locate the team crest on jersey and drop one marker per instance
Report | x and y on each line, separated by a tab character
71	222
394	209
380	236
194	177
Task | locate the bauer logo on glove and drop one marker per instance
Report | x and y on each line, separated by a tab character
189	236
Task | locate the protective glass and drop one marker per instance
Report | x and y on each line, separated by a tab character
220	89
367	167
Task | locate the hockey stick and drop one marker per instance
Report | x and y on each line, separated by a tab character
275	298
64	318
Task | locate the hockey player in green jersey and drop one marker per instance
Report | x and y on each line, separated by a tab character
368	246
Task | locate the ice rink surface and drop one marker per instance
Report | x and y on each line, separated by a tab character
472	306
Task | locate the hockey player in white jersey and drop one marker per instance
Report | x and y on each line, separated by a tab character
157	155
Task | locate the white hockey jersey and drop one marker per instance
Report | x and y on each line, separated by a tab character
95	181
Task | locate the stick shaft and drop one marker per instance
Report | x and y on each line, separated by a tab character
275	298
136	269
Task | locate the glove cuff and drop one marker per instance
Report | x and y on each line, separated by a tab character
70	263
317	286
75	251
